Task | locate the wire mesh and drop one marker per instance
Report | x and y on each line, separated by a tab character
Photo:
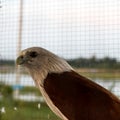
73	29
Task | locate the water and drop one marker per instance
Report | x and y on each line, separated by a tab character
10	79
26	80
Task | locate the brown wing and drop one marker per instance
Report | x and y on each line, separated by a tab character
78	98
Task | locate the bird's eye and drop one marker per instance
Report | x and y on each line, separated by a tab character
33	54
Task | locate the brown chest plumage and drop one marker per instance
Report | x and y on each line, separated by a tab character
78	98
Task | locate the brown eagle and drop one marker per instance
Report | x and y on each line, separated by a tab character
69	95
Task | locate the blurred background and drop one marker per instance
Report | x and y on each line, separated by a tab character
84	32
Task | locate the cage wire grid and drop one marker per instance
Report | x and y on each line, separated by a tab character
73	29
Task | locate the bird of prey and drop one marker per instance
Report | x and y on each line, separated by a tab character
70	95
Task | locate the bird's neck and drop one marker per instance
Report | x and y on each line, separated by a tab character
39	74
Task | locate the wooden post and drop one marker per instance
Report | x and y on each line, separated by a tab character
19	43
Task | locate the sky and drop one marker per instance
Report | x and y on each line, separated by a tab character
69	28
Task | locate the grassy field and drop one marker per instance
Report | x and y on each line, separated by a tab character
105	74
29	89
26	111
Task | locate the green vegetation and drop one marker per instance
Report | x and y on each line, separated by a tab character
101	75
28	89
93	62
6	91
21	110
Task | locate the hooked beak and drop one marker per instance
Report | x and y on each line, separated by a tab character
21	60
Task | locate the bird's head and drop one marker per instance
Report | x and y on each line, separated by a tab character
34	57
38	59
